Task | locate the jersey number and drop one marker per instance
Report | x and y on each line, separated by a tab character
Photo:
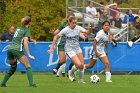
16	33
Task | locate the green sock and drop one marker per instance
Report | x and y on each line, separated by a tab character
58	65
29	75
8	75
70	66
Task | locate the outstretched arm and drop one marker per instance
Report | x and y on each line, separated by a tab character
54	32
53	47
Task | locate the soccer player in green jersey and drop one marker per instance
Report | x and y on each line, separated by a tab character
15	52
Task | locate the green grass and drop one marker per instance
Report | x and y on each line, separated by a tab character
48	83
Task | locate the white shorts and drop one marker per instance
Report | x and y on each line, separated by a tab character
93	56
100	55
73	52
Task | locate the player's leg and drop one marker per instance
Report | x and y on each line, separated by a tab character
13	63
62	60
70	67
61	70
9	73
26	64
90	64
105	61
81	69
77	65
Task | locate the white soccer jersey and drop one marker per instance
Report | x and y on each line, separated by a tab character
101	38
72	37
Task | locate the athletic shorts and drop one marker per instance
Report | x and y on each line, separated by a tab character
14	54
73	52
93	56
61	48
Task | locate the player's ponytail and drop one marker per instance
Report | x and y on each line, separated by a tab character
26	20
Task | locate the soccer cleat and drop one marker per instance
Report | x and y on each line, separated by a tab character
57	76
130	43
33	85
70	74
54	71
3	85
108	81
81	81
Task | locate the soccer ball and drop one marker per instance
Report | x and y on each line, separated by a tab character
94	79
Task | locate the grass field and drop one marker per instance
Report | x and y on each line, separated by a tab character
48	83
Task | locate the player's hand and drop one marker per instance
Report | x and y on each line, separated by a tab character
50	51
7	41
34	42
32	57
54	47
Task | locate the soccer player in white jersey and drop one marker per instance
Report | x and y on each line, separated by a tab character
72	47
100	42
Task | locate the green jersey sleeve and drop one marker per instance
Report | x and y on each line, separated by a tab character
63	25
27	33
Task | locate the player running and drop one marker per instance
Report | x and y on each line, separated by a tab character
101	41
61	51
72	48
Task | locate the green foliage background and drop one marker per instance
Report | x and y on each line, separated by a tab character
45	14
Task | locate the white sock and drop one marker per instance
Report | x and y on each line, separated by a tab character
73	69
81	74
59	70
108	75
63	68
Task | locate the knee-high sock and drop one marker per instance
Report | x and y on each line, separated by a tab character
81	74
73	69
58	65
29	75
70	66
8	74
108	75
59	71
63	68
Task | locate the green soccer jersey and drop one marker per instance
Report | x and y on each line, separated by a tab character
62	39
17	41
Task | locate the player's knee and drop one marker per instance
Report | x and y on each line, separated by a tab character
62	60
107	64
12	70
79	66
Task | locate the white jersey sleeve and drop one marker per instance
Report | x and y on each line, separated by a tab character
63	32
81	29
98	36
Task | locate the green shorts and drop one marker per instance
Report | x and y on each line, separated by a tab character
61	48
14	54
